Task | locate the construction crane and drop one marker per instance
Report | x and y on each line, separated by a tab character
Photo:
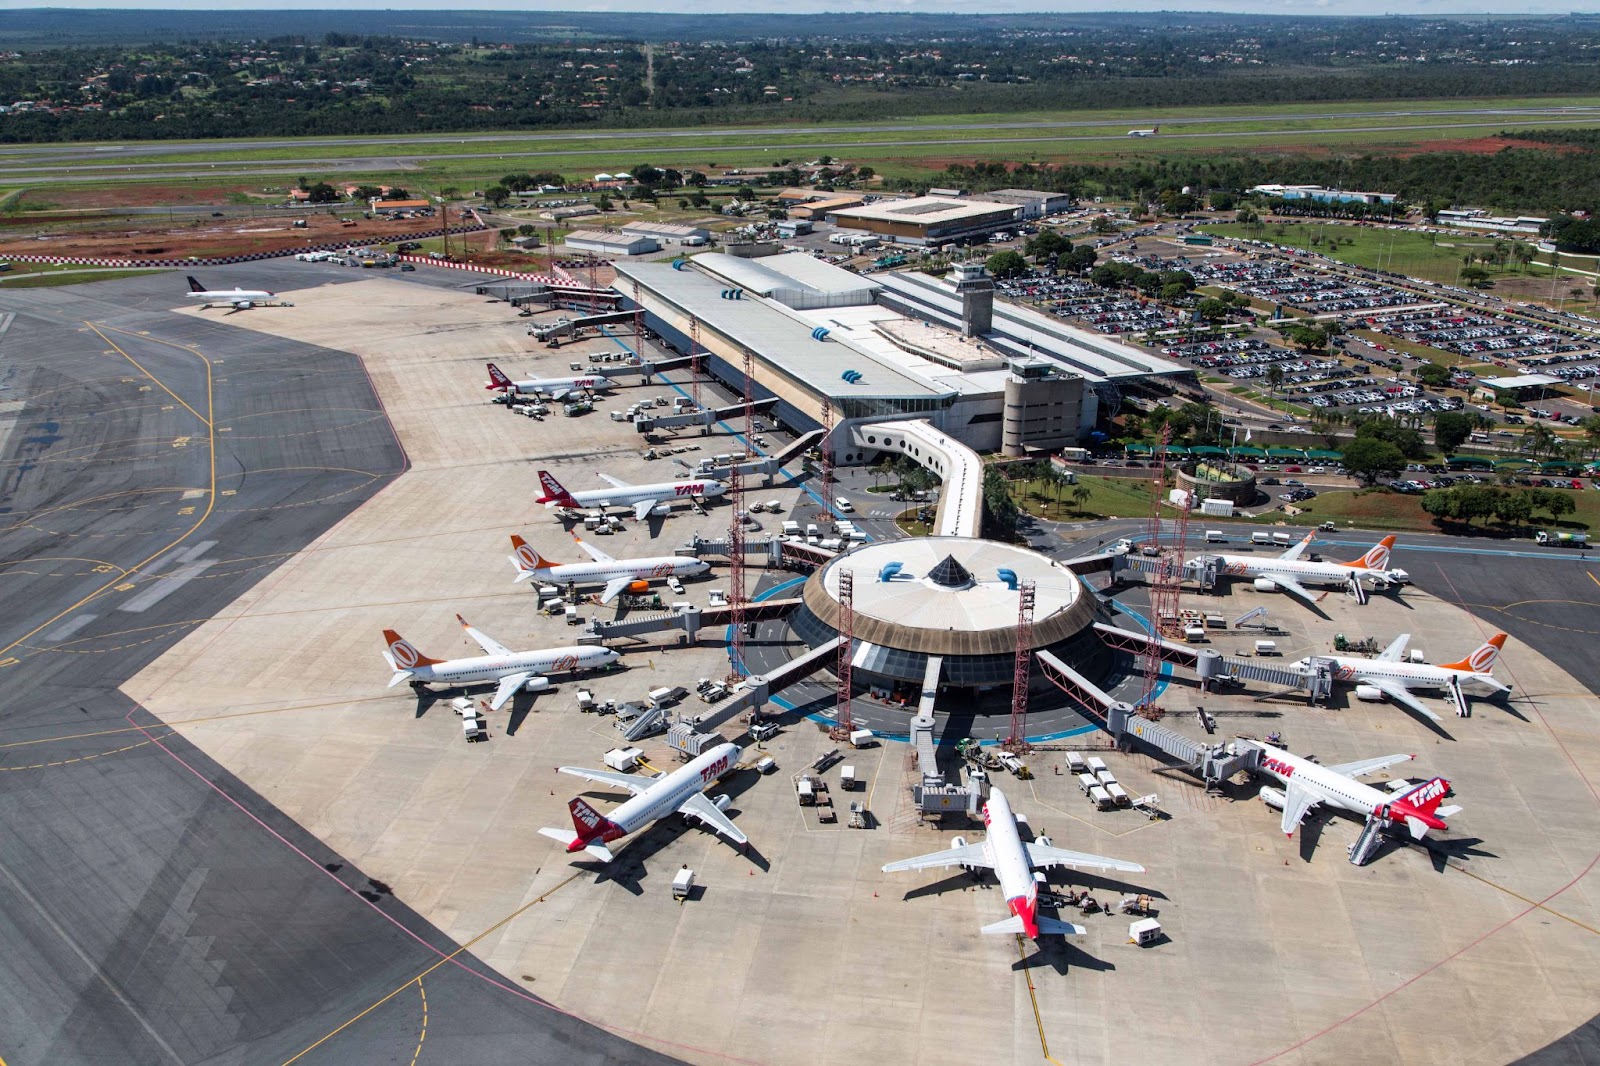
1017	742
844	720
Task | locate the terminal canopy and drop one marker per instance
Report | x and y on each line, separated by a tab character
1246	452
1284	453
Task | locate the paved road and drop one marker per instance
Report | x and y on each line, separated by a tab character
153	908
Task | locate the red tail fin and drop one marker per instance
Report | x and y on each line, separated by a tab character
1482	659
553	492
404	653
497	379
1377	557
590	825
1427	796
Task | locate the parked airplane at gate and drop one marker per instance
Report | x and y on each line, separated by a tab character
642	498
555	388
238	299
1289	574
1387	675
1013	863
1307	783
511	670
679	792
619	575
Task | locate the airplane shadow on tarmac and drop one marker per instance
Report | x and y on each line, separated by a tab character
1060	953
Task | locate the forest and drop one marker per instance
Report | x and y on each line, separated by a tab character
428	73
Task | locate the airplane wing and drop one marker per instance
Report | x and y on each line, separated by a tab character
1040	856
1369	766
1299	549
615	481
702	810
1396	648
633	784
642	509
1400	694
558	394
1293	588
489	645
970	855
508	688
1297	803
614	588
594	553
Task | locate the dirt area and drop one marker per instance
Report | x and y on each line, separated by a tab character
242	233
1484	146
160	194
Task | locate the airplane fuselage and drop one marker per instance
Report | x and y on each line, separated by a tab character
588	383
1304	572
494	667
1329	786
643	569
1011	864
1411	675
667	794
663	492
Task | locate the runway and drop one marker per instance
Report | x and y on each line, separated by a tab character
154	909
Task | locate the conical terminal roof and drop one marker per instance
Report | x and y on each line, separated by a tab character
950	574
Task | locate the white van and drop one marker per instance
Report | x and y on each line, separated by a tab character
1259	537
843	504
1214	536
1282	540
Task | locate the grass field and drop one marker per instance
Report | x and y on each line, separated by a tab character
1108	498
918	145
1436	257
1380	509
67	276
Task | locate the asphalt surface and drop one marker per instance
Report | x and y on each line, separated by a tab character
152	908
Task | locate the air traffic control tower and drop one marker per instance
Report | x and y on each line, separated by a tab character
976	289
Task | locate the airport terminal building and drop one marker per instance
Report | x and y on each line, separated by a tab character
998	378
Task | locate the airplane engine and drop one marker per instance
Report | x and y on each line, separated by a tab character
958	842
1263	585
1370	694
536	684
638	587
721	802
660	509
1273	797
243	305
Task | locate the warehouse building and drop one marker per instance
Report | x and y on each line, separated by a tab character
668	233
610	244
925	220
1034	204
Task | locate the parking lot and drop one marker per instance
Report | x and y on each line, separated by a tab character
1304	290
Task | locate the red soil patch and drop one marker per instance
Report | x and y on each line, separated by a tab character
234	234
153	195
1485	146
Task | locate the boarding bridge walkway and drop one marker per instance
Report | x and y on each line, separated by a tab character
564	327
960	511
1213	763
1213	668
691	620
758	688
707	416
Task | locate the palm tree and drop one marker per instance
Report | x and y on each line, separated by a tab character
1080	496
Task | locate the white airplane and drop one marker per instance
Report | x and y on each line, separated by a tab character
1388	676
679	792
619	575
1287	573
555	388
511	670
1013	863
1151	132
644	499
1307	783
239	299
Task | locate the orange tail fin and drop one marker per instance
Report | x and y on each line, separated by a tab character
1481	661
404	653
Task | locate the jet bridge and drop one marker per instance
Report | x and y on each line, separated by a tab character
1213	668
705	417
691	620
571	327
757	689
1212	763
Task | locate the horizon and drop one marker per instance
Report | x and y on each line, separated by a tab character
1286	8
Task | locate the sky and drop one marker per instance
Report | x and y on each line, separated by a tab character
1255	7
